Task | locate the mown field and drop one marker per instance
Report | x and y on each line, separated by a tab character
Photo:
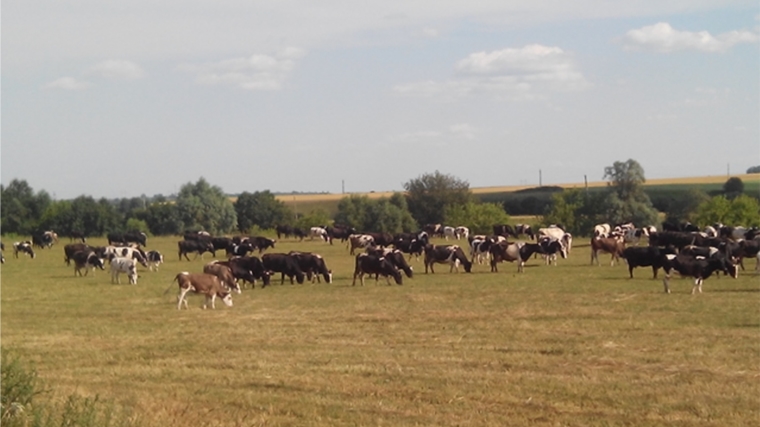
571	345
305	203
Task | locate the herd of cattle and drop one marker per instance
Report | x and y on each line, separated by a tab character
685	250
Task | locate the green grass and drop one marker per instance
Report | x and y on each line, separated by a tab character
569	345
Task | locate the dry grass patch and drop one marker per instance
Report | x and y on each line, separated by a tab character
567	345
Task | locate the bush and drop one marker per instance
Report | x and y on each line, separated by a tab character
20	403
478	217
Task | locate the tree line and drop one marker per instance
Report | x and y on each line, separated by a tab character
429	198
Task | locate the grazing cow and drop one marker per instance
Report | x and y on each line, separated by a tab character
462	232
284	264
551	247
123	265
198	246
261	243
378	265
526	230
412	247
610	245
2	256
86	260
505	251
313	265
200	283
361	241
299	233
318	232
283	231
395	256
224	274
449	232
72	248
676	239
126	252
648	256
748	249
699	269
136	236
25	247
381	239
154	259
248	268
452	255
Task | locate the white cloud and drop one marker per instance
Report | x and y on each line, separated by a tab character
117	69
454	132
66	83
256	72
661	37
524	73
463	130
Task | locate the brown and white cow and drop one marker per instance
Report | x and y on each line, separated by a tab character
224	274
610	245
200	283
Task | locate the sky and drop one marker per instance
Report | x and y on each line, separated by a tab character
118	99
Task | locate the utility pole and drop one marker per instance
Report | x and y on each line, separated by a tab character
585	182
540	184
343	186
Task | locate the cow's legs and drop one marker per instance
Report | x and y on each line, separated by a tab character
182	297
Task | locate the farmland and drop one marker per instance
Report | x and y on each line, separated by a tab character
304	203
566	345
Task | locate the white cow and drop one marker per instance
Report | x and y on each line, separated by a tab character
602	230
462	232
449	232
154	260
130	252
318	232
361	241
557	233
123	265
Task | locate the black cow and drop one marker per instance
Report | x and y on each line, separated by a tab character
395	256
72	248
77	234
380	266
446	254
433	229
381	239
313	265
747	249
699	269
675	226
261	243
676	239
300	233
650	256
219	243
284	264
44	239
249	269
283	231
198	246
340	232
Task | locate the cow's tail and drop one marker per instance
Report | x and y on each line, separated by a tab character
171	285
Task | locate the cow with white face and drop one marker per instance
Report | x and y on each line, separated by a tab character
123	265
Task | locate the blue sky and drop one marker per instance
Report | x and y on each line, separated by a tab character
119	99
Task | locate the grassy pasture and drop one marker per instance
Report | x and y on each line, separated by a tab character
569	345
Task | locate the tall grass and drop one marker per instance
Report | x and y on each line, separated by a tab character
566	345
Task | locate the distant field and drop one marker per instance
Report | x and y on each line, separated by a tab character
571	345
328	202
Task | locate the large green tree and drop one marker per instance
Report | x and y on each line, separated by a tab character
261	208
203	206
21	208
389	215
430	193
627	200
742	210
478	217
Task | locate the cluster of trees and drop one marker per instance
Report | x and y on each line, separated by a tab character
430	198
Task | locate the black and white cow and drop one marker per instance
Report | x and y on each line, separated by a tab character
395	256
318	232
242	249
86	260
44	239
462	232
449	254
378	265
648	256
551	247
511	252
412	246
23	247
248	269
699	269
359	241
154	259
123	265
136	254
